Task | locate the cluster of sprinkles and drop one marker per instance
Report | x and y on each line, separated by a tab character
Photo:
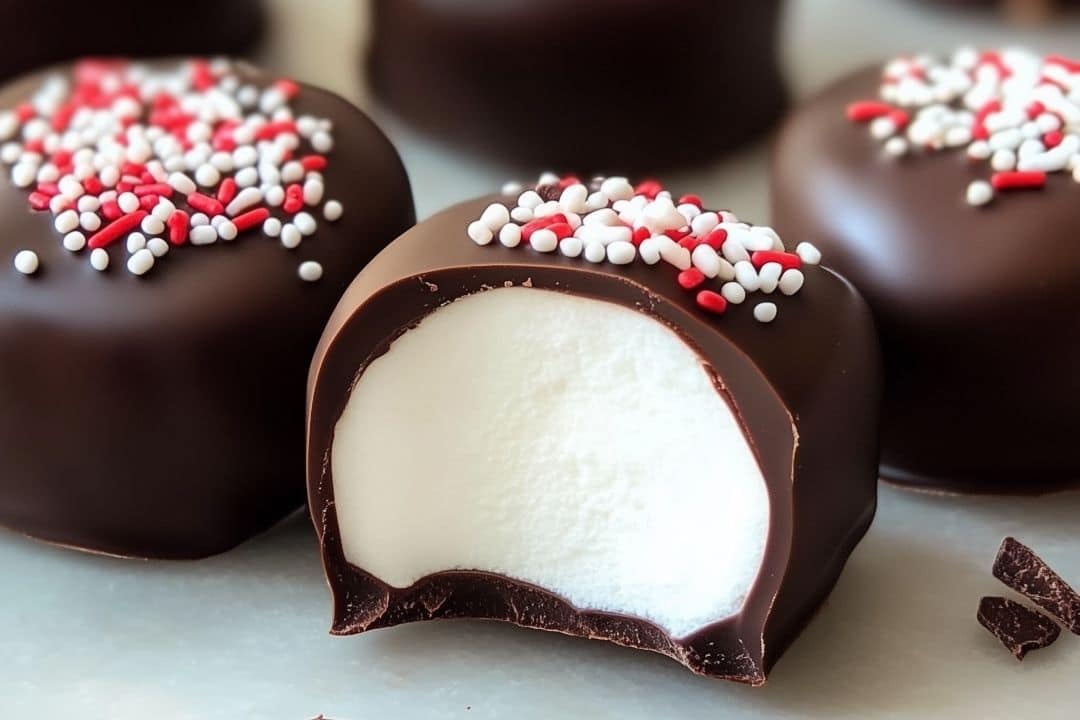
122	154
716	257
1015	109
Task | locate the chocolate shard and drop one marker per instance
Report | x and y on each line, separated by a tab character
1020	629
1028	574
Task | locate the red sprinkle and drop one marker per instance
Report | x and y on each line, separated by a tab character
562	230
250	219
286	87
677	235
24	111
1018	180
313	162
147	202
92	185
39	201
787	260
178	227
51	189
111	210
867	110
1035	109
226	191
1053	138
294	199
1069	64
567	181
648	188
690	279
689	242
115	230
691	199
716	238
205	204
978	128
711	302
899	118
158	189
540	223
269	131
640	235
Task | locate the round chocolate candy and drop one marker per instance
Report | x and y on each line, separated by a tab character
946	190
43	32
599	410
152	364
593	86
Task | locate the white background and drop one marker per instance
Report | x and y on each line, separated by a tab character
244	635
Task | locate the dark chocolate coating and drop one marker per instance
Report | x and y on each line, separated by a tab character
43	32
162	415
805	387
588	86
978	309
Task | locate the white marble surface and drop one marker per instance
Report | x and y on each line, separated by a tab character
244	635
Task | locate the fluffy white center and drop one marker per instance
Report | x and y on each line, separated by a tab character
572	443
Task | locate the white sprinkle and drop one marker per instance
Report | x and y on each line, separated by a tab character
291	172
479	232
510	235
247	177
511	188
733	292
152	226
791	281
89	221
673	253
128	202
495	216
617	188
621	252
158	247
135	242
23	175
765	312
272	227
896	146
769	277
979	150
726	271
207	175
313	193
26	262
204	234
74	241
519	214
199	219
706	260
704	223
99	259
573	198
882	127
141	262
181	183
226	230
322	142
529	199
595	252
66	221
545	209
979	192
244	199
649	251
733	251
291	236
543	240
808	253
604	234
305	223
71	187
747	276
332	210
570	246
274	196
310	271
88	203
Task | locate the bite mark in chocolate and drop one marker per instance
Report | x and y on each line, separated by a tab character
1018	628
1028	574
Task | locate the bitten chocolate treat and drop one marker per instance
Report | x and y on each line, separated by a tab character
947	190
43	32
584	85
1026	573
1018	628
597	410
175	237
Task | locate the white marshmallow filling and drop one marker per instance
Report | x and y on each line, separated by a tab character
571	443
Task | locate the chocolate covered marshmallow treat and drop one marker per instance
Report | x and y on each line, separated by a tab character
947	190
175	237
597	409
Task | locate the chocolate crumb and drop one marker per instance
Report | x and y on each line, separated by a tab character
1019	628
1026	573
